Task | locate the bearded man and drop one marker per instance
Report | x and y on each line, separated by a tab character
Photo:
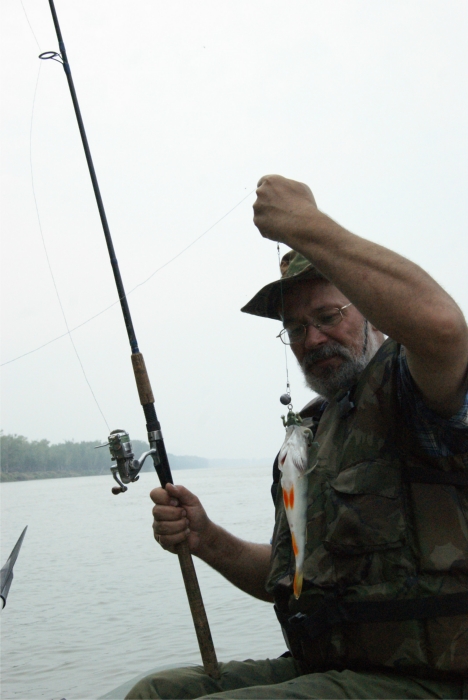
383	610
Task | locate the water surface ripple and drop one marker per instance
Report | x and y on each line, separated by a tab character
95	600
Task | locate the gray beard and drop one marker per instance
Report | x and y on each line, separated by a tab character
343	378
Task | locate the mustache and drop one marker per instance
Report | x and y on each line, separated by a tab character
331	349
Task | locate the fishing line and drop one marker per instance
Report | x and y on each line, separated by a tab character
284	398
30	27
140	284
40	225
47	253
191	244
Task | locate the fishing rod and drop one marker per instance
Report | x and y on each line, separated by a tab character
120	446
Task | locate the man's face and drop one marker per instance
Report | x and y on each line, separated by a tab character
331	359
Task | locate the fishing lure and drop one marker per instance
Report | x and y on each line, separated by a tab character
296	453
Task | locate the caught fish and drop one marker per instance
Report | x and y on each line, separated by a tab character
293	462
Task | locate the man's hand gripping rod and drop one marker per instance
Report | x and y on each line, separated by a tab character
119	443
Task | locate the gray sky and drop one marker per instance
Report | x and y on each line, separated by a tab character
186	105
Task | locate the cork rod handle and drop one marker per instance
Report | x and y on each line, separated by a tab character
197	608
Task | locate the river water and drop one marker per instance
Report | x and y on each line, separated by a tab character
95	601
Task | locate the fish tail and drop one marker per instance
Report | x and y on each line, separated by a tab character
298	578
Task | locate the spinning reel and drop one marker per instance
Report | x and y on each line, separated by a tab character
127	467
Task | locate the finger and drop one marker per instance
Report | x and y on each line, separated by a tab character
310	193
264	178
161	497
166	527
168	513
170	542
183	496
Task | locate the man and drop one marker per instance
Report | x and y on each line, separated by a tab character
384	606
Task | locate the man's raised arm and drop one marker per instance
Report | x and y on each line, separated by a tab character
394	294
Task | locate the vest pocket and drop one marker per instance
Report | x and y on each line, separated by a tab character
364	509
441	524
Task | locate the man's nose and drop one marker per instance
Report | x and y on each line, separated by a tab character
315	338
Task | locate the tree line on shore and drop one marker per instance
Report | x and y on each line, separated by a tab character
23	459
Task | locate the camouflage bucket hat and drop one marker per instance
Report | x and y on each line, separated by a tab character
294	267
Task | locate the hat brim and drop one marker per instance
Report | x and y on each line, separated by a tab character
267	302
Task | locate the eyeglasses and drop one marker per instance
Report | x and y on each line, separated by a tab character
322	321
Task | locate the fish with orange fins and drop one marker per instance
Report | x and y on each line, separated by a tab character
293	460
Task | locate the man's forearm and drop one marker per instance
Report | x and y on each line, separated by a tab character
393	293
245	564
398	298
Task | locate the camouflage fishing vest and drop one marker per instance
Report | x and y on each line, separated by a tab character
386	564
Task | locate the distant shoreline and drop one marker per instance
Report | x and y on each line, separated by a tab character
31	476
212	463
25	460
